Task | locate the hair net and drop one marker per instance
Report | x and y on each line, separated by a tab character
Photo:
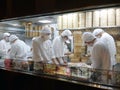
46	30
12	38
6	34
66	33
97	31
87	37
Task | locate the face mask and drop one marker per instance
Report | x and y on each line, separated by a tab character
7	39
11	43
64	39
50	37
67	41
98	36
90	45
70	37
47	37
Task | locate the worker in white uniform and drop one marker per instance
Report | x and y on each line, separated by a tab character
54	32
4	45
59	46
42	48
100	54
109	41
19	48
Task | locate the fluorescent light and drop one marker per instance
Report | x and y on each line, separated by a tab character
15	24
44	21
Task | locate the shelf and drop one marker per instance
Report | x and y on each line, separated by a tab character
84	28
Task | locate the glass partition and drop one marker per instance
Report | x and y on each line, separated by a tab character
78	68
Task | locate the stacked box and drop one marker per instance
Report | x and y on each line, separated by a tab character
117	17
31	30
81	21
36	30
77	37
33	33
96	19
75	20
27	32
83	49
88	19
75	60
118	51
71	56
77	55
70	20
64	21
39	29
59	22
77	49
118	43
103	18
84	58
77	46
28	28
118	58
111	17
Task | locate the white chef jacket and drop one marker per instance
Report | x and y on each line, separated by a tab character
110	43
18	50
42	50
58	47
100	56
4	47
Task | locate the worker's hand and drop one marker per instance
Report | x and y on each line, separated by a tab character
54	60
64	63
68	53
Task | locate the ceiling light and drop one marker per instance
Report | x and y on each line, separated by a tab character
44	21
15	24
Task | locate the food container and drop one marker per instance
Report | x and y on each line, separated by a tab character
100	76
39	67
50	69
8	63
80	71
31	65
20	65
74	71
63	70
116	75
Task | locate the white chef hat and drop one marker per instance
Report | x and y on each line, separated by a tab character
46	30
87	37
6	34
12	38
97	31
67	33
